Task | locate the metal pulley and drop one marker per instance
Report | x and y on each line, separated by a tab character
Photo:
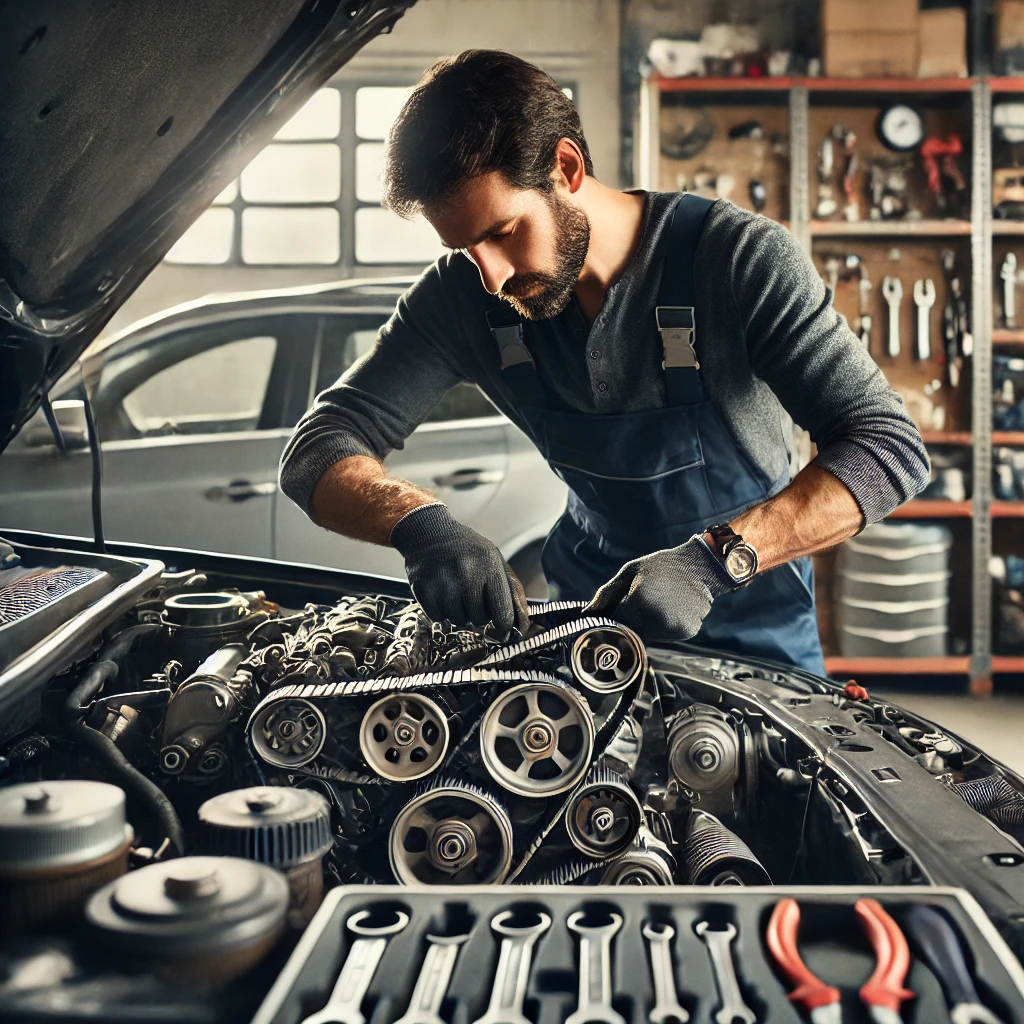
404	736
703	750
537	739
604	815
289	734
607	659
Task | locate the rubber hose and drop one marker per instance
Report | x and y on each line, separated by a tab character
93	680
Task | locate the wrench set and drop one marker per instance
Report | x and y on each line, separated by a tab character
649	955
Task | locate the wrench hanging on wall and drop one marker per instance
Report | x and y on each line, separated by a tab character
924	299
1008	272
892	289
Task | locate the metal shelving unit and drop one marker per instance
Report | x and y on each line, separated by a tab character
979	666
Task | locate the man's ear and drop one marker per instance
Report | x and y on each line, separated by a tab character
570	168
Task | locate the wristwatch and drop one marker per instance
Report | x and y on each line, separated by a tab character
738	558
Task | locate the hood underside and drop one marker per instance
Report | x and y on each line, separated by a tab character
119	123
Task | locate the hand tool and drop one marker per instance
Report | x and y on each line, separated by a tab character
343	1006
883	992
719	942
820	1002
939	948
432	982
595	1003
864	307
1008	272
924	299
892	289
513	973
966	339
950	320
666	1002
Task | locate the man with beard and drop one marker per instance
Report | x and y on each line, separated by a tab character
650	344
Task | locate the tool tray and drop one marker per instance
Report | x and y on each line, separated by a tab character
830	940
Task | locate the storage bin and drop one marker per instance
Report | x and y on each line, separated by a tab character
898	615
926	642
870	586
891	548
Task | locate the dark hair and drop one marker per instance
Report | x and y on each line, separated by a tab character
480	111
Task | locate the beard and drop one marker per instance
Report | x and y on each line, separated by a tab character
536	295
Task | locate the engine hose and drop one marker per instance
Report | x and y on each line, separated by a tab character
92	682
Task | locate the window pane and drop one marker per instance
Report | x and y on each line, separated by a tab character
219	389
229	195
342	346
320	118
294	174
383	237
376	107
208	240
465	401
277	235
369	166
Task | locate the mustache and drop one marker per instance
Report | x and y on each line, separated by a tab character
519	285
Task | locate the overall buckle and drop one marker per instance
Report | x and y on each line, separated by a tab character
678	331
511	345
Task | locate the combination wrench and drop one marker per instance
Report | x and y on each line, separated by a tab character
1008	272
432	983
924	299
350	989
719	943
513	973
892	289
595	1003
666	1001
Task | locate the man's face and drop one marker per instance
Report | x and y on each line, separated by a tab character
529	246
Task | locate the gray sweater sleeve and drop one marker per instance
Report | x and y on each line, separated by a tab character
381	399
818	369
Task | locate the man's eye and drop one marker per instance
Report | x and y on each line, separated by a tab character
502	234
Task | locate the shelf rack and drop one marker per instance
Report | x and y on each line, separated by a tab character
979	666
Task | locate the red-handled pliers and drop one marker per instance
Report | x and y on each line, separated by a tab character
882	993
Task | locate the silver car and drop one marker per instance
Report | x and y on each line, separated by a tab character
194	406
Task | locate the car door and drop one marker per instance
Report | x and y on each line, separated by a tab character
460	454
192	422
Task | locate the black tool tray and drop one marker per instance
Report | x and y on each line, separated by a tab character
831	943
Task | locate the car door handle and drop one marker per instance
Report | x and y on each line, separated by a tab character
465	479
239	490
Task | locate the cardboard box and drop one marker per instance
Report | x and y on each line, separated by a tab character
1008	24
943	43
870	54
868	16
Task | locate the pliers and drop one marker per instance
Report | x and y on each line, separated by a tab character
882	993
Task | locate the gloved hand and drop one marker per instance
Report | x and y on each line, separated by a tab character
664	595
457	574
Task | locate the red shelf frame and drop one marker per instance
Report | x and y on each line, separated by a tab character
768	84
1004	437
1007	663
868	228
961	437
1007	336
1006	509
951	666
921	509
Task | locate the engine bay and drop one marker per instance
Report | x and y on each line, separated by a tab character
573	754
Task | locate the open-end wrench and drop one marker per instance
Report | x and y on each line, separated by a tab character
864	307
892	289
924	299
666	1002
432	983
1008	272
595	1006
719	943
350	989
513	973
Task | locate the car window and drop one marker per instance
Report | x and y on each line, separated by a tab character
219	389
347	339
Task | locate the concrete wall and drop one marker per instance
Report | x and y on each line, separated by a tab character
574	40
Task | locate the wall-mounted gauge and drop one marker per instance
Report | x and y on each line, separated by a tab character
901	127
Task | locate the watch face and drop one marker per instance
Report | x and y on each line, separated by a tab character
741	562
901	127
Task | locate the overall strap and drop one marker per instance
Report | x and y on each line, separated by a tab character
674	312
517	365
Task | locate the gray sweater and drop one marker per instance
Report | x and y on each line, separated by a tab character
768	340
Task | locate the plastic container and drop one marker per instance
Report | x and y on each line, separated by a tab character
911	587
924	642
898	549
898	615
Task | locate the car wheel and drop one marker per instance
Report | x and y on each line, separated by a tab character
526	565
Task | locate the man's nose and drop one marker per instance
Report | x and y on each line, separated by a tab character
494	269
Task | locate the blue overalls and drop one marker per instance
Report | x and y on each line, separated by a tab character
639	482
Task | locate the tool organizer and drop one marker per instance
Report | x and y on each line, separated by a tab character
830	941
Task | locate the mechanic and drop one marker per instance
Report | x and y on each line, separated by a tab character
651	345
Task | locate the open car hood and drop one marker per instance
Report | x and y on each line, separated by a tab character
120	122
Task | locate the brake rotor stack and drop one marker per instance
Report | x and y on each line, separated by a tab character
471	752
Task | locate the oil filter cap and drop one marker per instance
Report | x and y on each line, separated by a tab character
191	906
60	824
274	825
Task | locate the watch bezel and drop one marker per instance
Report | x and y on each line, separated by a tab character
726	542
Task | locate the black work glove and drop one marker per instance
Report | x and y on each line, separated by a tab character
664	595
457	574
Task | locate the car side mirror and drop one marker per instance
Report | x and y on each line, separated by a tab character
70	416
